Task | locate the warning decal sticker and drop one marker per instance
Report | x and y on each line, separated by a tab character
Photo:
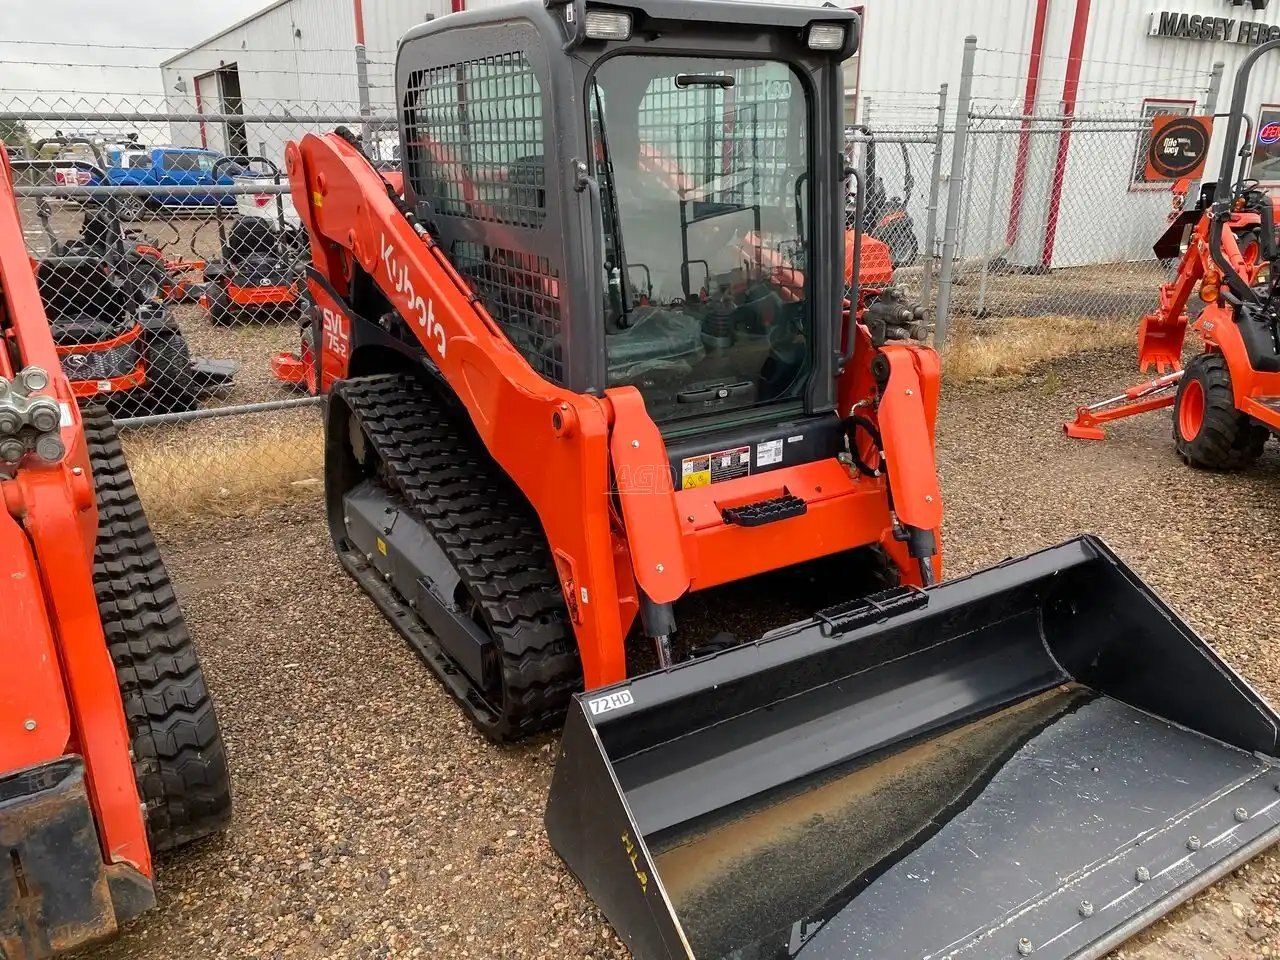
705	469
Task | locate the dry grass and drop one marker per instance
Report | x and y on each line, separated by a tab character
1010	347
242	466
226	468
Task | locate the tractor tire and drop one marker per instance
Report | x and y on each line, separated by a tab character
178	758
171	387
1208	431
425	452
221	313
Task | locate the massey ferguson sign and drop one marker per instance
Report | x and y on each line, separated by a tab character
1232	29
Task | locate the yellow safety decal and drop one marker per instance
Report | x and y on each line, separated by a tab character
696	478
634	856
382	546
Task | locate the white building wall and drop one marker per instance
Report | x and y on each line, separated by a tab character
300	54
1104	217
296	55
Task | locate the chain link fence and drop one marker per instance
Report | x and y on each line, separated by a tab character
173	277
1053	215
898	151
172	263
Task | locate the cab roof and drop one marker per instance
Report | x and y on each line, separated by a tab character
650	15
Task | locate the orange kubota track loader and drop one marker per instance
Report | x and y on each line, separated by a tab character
109	747
596	365
1226	403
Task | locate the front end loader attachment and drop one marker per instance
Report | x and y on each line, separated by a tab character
1039	759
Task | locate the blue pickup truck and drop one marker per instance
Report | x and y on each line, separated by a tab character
169	166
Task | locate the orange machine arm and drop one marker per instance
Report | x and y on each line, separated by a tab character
1161	333
552	442
58	687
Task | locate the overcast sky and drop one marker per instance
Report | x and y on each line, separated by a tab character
39	38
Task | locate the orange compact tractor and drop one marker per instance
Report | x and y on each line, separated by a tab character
109	747
595	385
1226	403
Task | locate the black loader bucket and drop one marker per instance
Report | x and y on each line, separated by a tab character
1040	759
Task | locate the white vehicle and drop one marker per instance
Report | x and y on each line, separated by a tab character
259	171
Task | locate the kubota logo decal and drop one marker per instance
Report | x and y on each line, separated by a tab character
415	307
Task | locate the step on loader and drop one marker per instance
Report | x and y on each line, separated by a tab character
109	746
611	353
1226	402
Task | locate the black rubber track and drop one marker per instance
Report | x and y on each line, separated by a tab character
431	457
179	761
1228	439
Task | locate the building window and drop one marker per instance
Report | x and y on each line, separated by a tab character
1151	108
1266	145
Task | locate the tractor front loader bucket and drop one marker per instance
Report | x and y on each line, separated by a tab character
1039	759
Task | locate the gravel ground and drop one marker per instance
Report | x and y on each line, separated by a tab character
371	822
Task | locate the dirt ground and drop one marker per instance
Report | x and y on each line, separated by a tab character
1121	290
372	822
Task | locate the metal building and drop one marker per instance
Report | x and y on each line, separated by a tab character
293	56
1094	60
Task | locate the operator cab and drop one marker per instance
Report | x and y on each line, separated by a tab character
629	190
706	307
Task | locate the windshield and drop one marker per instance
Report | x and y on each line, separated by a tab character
701	164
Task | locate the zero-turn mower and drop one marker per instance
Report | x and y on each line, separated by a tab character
597	365
886	217
105	296
1226	402
109	746
258	276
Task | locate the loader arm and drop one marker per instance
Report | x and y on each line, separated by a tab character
1161	333
69	804
53	505
566	452
539	434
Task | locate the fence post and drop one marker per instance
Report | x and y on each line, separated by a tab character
935	190
1215	88
362	88
980	309
954	189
